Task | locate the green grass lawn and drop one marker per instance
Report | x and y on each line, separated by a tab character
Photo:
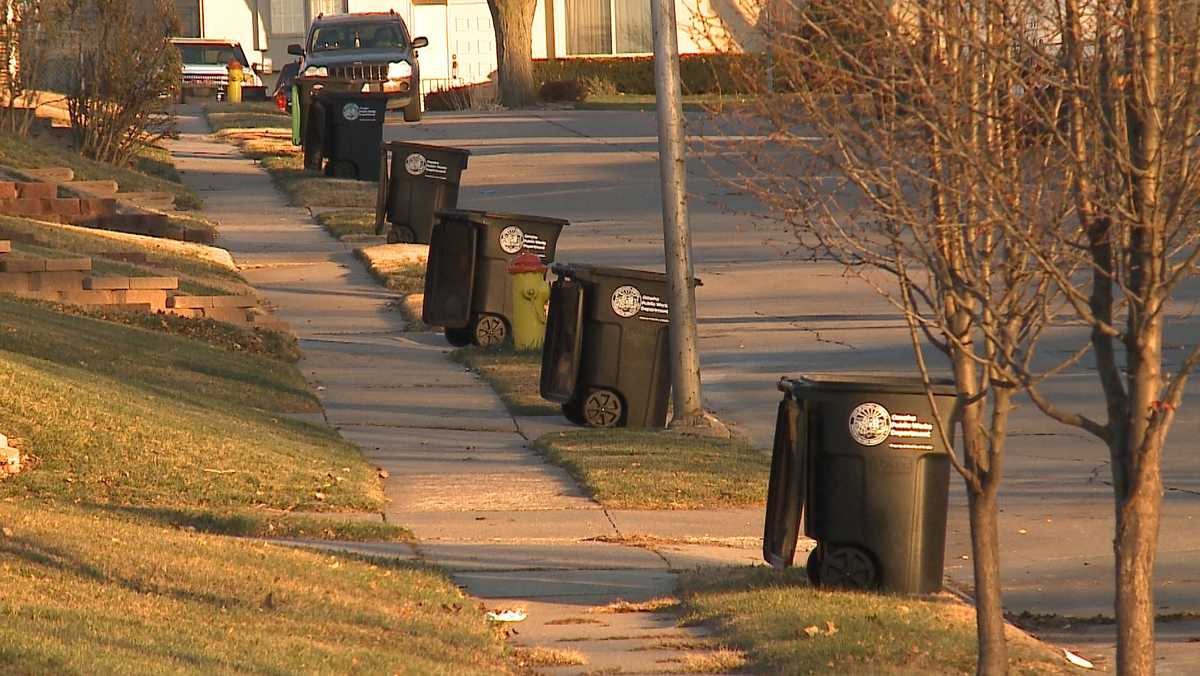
123	415
166	258
88	593
784	626
640	469
152	171
348	222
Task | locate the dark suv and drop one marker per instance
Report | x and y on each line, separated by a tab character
365	53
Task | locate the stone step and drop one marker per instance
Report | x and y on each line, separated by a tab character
40	207
5	246
103	188
11	264
203	302
154	200
134	283
27	190
55	174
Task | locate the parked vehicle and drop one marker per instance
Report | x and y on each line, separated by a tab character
367	53
205	68
282	95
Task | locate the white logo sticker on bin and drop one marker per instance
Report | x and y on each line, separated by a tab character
870	424
511	239
627	301
350	111
415	164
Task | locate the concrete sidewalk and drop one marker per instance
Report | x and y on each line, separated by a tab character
510	528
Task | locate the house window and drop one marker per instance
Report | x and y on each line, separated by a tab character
189	18
287	17
326	7
608	27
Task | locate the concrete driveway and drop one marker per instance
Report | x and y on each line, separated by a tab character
766	312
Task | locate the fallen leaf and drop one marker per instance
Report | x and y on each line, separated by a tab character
1022	531
319	495
7	532
830	628
812	631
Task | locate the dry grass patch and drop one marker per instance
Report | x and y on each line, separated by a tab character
400	267
659	604
539	656
784	626
643	469
574	620
720	661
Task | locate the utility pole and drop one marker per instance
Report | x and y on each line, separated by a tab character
677	233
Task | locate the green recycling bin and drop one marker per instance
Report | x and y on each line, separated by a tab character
605	358
468	288
862	460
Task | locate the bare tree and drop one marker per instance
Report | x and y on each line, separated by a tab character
1131	75
1006	164
124	70
513	22
897	144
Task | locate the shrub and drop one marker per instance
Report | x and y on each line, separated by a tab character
562	90
453	98
125	71
598	85
701	73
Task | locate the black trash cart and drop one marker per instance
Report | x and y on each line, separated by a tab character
861	458
468	289
606	353
341	131
415	182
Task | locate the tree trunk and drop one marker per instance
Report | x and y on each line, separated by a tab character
1135	544
985	550
982	487
513	21
1138	489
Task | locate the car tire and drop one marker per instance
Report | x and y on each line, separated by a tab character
412	112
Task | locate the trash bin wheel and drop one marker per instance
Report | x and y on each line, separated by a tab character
401	234
602	408
813	567
573	411
458	337
489	331
847	567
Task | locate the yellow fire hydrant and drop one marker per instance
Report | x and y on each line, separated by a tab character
233	93
530	295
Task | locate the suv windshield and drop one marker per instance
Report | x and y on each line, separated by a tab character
367	35
211	55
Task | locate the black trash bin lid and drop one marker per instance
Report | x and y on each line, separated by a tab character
886	383
405	145
590	272
486	217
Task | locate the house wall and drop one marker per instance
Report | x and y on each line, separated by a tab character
236	20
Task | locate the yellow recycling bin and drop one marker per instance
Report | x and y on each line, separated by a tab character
531	292
233	93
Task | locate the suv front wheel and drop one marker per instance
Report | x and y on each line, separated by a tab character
412	112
